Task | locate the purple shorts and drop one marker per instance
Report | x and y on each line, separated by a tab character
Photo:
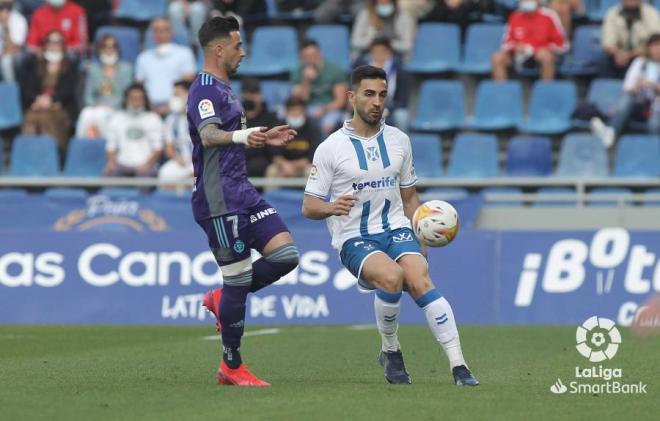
232	236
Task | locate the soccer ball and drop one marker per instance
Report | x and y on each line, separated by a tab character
435	223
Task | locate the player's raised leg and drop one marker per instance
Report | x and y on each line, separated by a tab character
439	315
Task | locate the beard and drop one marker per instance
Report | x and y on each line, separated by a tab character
368	118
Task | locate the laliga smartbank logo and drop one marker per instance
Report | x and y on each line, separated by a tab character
598	340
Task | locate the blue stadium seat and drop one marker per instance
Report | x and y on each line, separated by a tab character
474	155
652	202
550	191
180	35
482	40
427	154
119	192
334	43
498	191
498	105
274	51
637	156
586	52
274	13
597	10
444	193
615	192
437	48
140	10
11	114
128	39
85	158
605	94
34	156
550	107
582	155
12	193
441	106
66	193
275	93
529	157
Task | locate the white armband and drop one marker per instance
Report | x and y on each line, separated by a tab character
241	136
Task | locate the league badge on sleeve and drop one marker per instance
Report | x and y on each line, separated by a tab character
205	108
313	173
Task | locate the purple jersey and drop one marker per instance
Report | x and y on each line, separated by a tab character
221	184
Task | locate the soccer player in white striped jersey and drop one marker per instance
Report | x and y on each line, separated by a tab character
366	168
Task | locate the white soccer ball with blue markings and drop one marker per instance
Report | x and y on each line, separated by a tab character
435	223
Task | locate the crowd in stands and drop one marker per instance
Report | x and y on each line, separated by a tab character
76	79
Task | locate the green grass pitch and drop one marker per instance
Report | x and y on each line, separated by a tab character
106	372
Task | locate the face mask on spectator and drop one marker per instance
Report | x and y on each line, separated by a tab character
296	122
163	49
385	10
109	59
56	3
53	56
528	6
177	104
134	110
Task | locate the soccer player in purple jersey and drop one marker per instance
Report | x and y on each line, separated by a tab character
225	204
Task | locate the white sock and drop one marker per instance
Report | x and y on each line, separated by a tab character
387	308
441	321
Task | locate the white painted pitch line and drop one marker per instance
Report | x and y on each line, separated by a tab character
363	327
259	332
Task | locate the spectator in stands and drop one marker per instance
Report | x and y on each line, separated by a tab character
190	14
99	13
417	8
158	68
296	6
382	19
322	85
105	84
625	28
330	10
13	31
64	16
27	7
48	90
295	159
565	10
135	137
398	81
460	12
257	114
641	95
240	8
178	146
534	34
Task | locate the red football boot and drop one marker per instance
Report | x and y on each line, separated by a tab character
212	304
240	376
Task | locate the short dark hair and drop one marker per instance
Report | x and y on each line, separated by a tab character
136	86
217	27
653	38
383	41
183	84
366	72
294	101
308	43
251	85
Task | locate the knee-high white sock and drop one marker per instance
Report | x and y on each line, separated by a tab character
387	307
441	321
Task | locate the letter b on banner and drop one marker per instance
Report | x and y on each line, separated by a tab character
564	271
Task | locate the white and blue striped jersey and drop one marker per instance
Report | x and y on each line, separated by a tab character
373	169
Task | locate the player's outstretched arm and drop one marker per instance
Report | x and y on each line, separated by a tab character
212	136
317	208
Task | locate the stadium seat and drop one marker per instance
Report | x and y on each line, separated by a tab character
119	192
474	155
34	156
274	51
498	105
12	193
180	35
482	40
66	193
444	193
128	39
436	49
140	10
605	94
85	158
637	156
427	154
582	155
11	114
275	93
275	14
334	43
598	9
441	106
586	52
550	107
652	202
529	157
551	191
615	192
493	192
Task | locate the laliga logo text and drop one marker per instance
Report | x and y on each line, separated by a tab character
565	269
598	339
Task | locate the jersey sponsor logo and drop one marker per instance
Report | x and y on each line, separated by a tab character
372	154
262	214
383	183
205	108
402	237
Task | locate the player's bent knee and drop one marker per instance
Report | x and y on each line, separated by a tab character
238	274
284	258
391	280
